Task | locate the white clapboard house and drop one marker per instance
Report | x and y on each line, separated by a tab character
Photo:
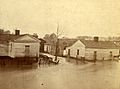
86	48
19	45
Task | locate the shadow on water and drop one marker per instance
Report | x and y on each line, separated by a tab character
101	66
19	64
76	61
97	67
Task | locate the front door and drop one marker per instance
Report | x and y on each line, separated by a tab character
27	50
68	52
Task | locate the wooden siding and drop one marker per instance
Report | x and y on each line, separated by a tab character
3	50
77	46
101	53
18	49
47	48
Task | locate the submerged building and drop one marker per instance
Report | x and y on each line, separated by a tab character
87	48
17	45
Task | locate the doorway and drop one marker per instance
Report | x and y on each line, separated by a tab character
27	50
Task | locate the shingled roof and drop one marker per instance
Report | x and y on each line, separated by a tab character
99	44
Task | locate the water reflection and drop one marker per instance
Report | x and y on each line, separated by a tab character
63	76
7	65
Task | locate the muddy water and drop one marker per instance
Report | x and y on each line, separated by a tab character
102	75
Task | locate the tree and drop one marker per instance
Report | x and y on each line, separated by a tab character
2	31
46	37
35	35
54	39
53	36
7	32
57	43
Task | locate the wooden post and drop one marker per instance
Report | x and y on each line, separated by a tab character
95	56
111	56
56	51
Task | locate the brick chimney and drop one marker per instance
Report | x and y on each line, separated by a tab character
17	32
96	38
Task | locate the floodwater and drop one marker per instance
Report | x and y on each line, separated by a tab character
102	75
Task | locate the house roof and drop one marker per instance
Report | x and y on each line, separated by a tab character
5	38
67	42
99	44
42	40
62	42
88	43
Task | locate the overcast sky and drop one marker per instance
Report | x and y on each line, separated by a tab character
75	17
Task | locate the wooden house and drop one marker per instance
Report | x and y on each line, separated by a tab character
42	45
50	47
19	45
63	43
87	48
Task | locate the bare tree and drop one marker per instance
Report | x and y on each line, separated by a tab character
57	44
58	34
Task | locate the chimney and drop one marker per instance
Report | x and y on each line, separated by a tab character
17	32
96	39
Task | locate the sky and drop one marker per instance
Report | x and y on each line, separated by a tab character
75	17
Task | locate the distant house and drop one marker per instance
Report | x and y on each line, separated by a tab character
87	48
50	47
19	45
42	45
63	43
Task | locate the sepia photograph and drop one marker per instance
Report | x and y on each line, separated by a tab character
59	44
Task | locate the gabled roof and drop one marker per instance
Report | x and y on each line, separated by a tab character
99	44
21	36
62	42
5	38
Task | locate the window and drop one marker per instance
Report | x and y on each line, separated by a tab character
27	46
27	50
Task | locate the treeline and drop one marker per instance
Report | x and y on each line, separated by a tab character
110	38
2	31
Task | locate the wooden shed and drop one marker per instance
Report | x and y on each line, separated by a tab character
19	45
24	46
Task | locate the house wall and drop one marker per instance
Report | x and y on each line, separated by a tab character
3	50
89	52
41	47
18	49
61	51
47	48
101	53
77	46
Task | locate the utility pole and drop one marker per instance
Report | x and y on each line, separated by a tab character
57	43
